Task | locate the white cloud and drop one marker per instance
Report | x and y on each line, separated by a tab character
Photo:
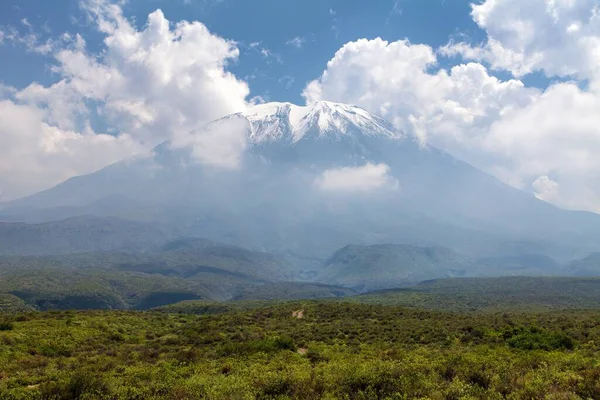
34	153
220	144
393	80
559	37
30	40
364	178
545	188
515	132
269	56
297	42
161	82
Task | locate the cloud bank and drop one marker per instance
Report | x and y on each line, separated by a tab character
166	79
145	86
520	134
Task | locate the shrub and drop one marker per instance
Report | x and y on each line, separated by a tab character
540	340
276	387
270	345
6	326
82	384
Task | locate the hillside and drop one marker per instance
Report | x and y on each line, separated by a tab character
81	234
494	294
292	291
294	191
71	288
383	266
588	266
521	265
177	270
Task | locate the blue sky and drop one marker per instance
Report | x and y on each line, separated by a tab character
321	26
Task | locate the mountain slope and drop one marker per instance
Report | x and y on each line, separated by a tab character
387	266
80	234
195	258
182	269
494	294
522	265
274	201
587	266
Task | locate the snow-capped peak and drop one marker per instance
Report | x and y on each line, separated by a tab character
275	121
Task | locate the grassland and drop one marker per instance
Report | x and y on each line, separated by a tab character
526	294
336	350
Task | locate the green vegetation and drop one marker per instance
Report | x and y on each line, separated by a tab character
389	265
292	291
182	269
330	350
494	294
81	234
71	288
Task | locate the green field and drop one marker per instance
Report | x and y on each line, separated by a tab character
493	294
460	338
336	350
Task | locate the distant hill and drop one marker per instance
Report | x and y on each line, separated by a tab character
494	294
384	266
12	303
193	258
292	291
72	288
295	193
588	266
81	234
183	269
521	264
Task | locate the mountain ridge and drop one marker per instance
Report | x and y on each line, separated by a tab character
272	201
291	123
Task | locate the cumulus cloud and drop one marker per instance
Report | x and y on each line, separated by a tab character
558	37
516	132
394	81
366	178
545	188
147	85
35	153
220	144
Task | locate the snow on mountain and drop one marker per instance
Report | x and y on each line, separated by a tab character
292	123
275	200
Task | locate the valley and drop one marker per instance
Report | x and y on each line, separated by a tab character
139	266
161	277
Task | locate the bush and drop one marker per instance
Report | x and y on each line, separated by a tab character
82	384
6	326
276	387
535	339
270	345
